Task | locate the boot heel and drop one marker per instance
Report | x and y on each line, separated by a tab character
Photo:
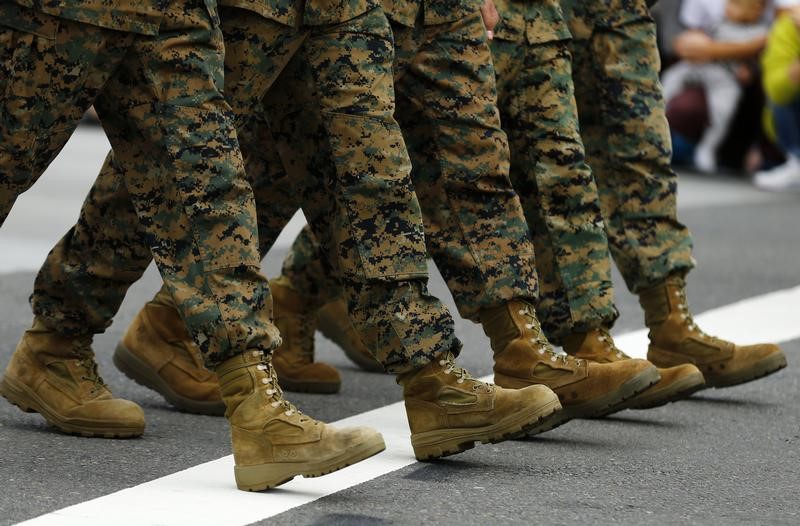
264	476
10	394
137	370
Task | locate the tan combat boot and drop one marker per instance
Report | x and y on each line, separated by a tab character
157	352
294	359
675	339
57	377
272	441
448	410
523	356
676	382
334	324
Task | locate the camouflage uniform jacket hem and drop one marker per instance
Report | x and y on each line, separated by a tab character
135	16
537	22
406	12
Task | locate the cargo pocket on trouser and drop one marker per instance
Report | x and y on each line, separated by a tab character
204	215
28	140
378	232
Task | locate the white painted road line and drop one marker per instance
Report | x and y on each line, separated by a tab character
184	497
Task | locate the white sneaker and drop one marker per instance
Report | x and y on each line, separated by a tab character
785	177
705	159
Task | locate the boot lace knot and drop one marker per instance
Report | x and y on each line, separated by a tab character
539	339
82	349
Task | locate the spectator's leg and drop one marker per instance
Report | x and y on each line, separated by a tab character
723	93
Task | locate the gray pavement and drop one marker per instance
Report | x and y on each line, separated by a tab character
724	457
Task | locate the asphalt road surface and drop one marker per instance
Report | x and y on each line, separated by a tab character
727	456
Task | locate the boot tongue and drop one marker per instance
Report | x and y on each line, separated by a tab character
82	351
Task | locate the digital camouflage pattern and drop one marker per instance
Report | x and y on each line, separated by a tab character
50	72
548	167
409	13
474	224
625	133
447	107
361	203
132	16
174	134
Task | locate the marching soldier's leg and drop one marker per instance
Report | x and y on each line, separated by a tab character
475	226
559	193
201	227
549	171
447	107
371	236
50	72
627	140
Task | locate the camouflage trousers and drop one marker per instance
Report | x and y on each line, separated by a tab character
625	133
474	224
360	201
550	173
161	106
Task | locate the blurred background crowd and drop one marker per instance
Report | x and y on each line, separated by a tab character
731	76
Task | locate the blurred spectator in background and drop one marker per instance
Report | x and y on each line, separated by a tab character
744	146
720	78
781	78
667	16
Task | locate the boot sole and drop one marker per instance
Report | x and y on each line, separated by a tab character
766	366
265	476
141	373
630	389
436	444
304	386
677	391
22	397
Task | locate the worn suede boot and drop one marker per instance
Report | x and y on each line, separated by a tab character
334	324
523	356
676	382
294	359
57	377
157	352
272	441
675	339
448	410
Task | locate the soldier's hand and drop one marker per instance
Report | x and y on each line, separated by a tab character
490	17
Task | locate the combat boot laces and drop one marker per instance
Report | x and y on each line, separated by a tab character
608	344
686	315
538	338
462	375
82	348
275	392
